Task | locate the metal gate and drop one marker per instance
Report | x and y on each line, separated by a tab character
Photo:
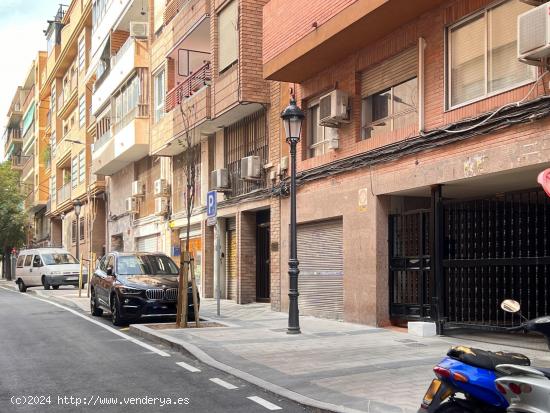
231	253
496	248
410	266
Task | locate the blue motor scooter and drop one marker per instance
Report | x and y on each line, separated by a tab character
468	372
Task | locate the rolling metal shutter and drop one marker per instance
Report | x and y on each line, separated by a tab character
231	254
320	283
390	72
147	244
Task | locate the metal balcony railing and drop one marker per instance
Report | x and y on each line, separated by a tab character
28	165
64	193
18	161
193	83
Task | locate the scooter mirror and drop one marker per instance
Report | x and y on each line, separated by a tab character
510	306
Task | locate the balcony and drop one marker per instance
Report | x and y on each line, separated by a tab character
67	99
132	54
188	87
27	173
13	139
64	194
17	162
347	27
130	142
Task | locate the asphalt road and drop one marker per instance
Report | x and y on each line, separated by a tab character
52	360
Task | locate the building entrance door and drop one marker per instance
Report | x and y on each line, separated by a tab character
263	276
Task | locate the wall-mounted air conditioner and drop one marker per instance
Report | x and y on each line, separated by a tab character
161	187
534	35
220	179
137	188
139	30
251	168
333	109
131	205
161	205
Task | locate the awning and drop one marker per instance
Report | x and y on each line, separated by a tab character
28	118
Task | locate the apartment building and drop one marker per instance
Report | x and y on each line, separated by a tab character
66	92
423	138
210	101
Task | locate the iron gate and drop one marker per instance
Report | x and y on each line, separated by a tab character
496	248
410	275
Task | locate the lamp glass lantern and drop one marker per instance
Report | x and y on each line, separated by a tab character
293	118
77	206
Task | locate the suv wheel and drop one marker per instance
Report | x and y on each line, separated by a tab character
21	285
45	283
55	287
116	318
97	312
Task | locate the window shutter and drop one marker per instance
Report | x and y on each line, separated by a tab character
228	35
392	71
158	14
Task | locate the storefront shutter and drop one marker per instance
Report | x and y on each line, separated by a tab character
147	244
320	283
390	72
231	245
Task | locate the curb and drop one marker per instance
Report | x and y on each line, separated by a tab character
191	349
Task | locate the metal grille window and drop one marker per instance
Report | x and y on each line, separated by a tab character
481	57
82	166
247	137
82	228
74	172
81	53
82	111
73	231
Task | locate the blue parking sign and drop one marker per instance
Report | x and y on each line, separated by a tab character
211	204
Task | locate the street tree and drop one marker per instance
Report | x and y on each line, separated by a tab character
191	160
12	214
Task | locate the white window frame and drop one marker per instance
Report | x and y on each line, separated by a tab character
310	147
82	111
448	70
74	172
159	106
82	53
82	166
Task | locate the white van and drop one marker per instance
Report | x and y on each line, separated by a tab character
49	267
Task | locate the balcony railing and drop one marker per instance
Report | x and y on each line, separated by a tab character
171	9
14	133
18	161
193	83
28	166
62	147
140	111
102	140
64	193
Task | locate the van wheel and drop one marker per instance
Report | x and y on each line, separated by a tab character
55	287
22	286
45	283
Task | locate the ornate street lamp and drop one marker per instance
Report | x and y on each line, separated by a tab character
292	120
77	205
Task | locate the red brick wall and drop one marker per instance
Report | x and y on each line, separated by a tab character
346	76
287	21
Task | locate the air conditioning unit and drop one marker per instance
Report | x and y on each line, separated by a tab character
131	205
161	205
534	35
161	187
333	109
137	188
220	179
139	30
251	168
534	2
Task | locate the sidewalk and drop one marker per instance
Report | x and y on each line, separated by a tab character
332	365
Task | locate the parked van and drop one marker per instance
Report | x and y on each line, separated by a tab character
49	267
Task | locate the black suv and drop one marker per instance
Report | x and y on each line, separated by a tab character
135	285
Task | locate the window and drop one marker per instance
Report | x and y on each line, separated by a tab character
52	100
228	32
82	226
98	11
53	144
28	261
73	231
126	101
81	53
82	166
53	193
482	54
317	136
20	261
391	109
37	262
159	96
158	14
146	265
59	259
82	111
74	172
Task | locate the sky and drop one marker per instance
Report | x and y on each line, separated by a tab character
22	23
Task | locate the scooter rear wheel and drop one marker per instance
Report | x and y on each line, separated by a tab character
454	407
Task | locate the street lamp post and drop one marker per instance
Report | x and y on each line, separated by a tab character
292	119
77	205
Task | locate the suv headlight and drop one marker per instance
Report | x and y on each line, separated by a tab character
130	290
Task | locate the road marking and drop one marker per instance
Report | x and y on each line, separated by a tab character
224	384
106	327
188	367
264	403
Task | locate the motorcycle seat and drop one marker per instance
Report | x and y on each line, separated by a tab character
487	360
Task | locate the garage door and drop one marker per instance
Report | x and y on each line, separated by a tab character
231	254
320	283
147	244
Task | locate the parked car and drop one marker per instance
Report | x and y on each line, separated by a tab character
135	285
49	267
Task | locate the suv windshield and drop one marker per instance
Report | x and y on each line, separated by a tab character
145	265
58	259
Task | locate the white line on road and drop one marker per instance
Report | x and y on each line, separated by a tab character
264	403
188	367
106	327
224	384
